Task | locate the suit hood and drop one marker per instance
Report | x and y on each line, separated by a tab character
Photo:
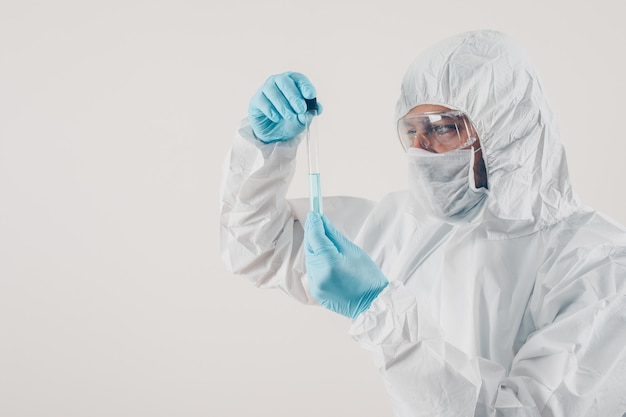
487	76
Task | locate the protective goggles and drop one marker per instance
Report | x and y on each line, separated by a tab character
436	132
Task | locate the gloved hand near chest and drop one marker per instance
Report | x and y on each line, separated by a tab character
342	277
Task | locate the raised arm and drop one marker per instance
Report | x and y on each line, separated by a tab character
261	231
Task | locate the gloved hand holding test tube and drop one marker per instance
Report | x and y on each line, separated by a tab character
315	191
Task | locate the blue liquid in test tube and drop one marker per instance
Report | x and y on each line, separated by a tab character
315	193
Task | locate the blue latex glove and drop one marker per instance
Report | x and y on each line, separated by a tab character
342	277
277	111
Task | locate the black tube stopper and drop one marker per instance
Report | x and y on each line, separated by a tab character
311	103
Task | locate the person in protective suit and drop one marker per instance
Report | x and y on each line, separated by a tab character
487	288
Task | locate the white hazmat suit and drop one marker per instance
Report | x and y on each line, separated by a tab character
520	313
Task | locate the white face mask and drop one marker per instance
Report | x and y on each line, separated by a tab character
444	184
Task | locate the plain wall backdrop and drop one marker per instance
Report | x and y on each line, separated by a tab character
115	117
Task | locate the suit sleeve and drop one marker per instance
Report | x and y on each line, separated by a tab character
261	232
572	365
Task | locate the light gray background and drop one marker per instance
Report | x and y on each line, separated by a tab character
115	117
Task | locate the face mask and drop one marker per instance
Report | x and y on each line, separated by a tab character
444	184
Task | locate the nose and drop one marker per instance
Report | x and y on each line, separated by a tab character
419	141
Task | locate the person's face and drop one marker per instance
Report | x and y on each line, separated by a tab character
480	172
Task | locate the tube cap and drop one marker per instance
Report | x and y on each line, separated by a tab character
311	104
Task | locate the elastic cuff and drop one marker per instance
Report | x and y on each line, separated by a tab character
391	318
286	148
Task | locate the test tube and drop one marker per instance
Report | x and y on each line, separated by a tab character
315	190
